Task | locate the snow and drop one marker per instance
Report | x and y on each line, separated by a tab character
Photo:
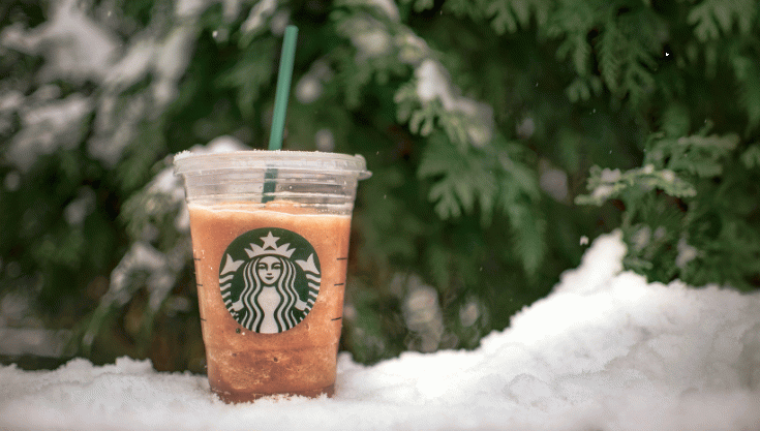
46	128
324	140
526	128
141	257
372	42
602	192
115	127
133	66
162	268
433	83
259	13
641	238
33	341
231	9
78	49
189	8
22	333
604	351
686	253
412	49
74	46
171	61
12	181
553	181
76	211
422	315
192	9
10	102
388	7
310	86
118	119
610	176
279	22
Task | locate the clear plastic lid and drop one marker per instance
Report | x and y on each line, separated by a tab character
188	163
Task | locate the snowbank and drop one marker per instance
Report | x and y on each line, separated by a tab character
605	351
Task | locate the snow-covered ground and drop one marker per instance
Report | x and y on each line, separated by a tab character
605	351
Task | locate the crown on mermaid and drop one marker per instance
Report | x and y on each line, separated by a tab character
269	247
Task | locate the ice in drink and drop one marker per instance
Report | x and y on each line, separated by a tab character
270	285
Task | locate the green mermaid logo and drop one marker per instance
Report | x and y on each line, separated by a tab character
269	279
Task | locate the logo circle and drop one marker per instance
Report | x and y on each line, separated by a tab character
269	279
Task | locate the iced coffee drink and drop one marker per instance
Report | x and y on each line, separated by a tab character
270	264
270	284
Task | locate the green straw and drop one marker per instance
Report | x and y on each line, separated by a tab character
280	107
283	87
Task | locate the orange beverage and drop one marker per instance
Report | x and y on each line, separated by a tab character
270	275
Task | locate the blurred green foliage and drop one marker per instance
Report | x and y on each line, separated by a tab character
484	122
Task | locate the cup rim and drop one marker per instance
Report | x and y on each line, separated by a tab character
204	163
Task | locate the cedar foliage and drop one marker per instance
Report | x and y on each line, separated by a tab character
478	187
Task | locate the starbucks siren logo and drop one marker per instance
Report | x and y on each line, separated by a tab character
269	279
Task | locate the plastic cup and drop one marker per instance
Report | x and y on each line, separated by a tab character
270	233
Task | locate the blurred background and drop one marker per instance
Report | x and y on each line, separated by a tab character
504	136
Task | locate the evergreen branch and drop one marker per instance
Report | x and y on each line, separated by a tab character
518	198
420	5
422	120
674	121
748	76
377	43
528	230
472	8
581	89
474	180
250	75
710	17
510	15
606	184
439	258
460	181
430	101
696	155
626	46
751	157
505	16
578	49
572	23
519	183
611	44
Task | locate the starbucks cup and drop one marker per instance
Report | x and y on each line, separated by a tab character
270	233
